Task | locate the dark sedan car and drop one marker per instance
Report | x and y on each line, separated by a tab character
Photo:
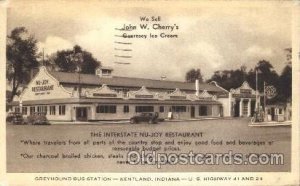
15	118
145	117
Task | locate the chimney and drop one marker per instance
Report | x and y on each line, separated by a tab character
197	87
98	71
33	72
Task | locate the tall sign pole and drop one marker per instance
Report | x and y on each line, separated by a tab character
265	102
256	88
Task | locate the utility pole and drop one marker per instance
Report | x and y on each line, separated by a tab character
43	57
78	57
79	87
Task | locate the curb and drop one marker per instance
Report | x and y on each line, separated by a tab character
271	124
200	119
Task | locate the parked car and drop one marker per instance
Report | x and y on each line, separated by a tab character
37	118
145	117
15	118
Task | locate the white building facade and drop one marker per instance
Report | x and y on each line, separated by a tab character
85	97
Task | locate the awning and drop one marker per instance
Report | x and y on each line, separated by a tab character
115	101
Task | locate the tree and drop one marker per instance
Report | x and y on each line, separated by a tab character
192	75
21	57
266	73
230	78
289	55
70	60
285	83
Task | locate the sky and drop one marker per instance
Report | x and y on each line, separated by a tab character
211	36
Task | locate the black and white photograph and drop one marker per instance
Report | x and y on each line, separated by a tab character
151	92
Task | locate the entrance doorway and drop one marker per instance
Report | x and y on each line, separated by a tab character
237	109
81	113
192	111
273	113
252	107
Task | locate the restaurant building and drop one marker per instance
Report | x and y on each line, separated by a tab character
102	96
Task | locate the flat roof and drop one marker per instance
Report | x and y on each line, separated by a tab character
90	79
106	68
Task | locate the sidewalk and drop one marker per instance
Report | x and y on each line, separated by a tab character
270	124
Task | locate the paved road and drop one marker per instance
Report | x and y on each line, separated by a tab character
104	158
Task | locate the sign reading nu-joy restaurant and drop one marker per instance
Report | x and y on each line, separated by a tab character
42	87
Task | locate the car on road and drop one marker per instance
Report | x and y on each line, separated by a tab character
145	117
15	118
37	118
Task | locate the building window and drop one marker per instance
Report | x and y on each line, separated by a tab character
39	109
17	109
32	110
161	109
144	109
42	109
106	72
106	109
126	108
52	110
203	111
178	108
62	109
24	110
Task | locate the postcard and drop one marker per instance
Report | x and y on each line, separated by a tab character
150	92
